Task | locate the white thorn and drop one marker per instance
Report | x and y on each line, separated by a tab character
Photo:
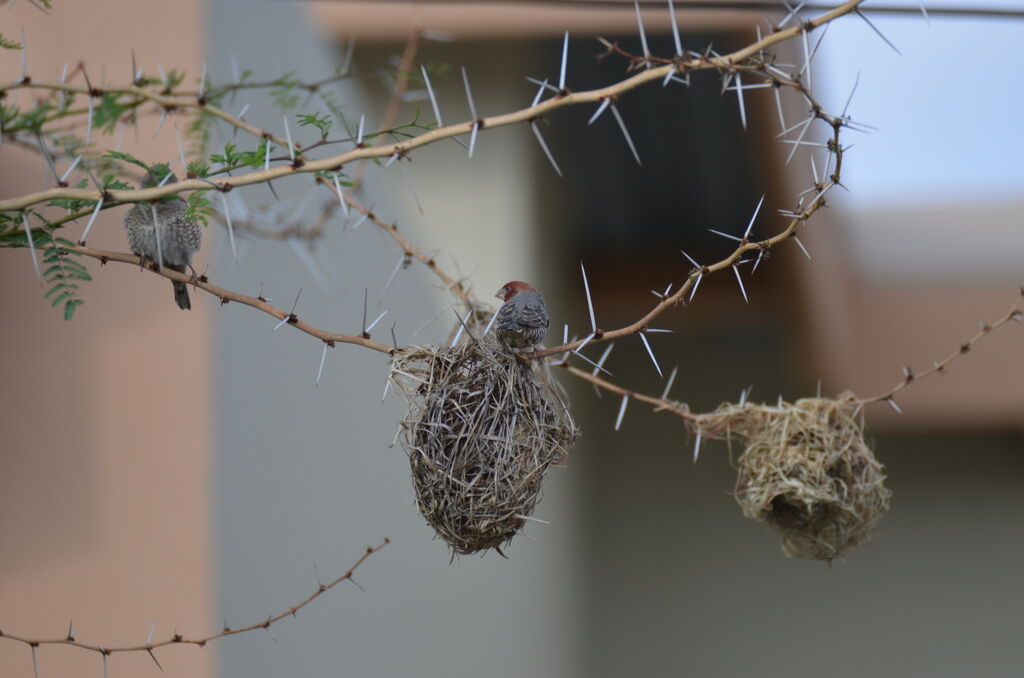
362	125
565	59
802	248
31	246
543	145
433	99
739	99
202	82
778	108
740	281
625	133
323	359
622	412
288	136
231	228
469	94
590	303
675	29
756	210
643	34
696	448
92	218
377	320
88	124
647	345
490	323
693	292
671	380
600	109
70	169
604	356
892	403
341	196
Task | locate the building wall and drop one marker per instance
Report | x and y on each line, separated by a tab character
104	491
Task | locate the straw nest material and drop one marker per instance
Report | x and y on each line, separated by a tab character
482	428
808	472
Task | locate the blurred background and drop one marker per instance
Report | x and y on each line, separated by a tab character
183	470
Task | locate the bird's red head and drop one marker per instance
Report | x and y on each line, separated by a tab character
511	289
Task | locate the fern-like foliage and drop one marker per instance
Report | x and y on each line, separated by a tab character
62	274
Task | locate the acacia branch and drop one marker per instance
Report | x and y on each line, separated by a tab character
225	296
178	639
401	148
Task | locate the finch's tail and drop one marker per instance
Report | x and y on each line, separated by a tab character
181	290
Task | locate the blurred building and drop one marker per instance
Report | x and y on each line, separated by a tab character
182	469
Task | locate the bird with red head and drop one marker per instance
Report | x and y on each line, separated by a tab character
522	321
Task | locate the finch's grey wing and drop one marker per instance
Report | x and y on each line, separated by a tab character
532	315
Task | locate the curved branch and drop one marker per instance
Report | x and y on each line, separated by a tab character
401	148
178	639
226	296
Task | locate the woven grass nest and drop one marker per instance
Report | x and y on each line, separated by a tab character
808	472
482	428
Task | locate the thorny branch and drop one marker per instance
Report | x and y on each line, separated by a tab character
1015	314
681	66
178	639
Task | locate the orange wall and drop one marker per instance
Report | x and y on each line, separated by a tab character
104	451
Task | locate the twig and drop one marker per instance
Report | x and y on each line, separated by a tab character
178	639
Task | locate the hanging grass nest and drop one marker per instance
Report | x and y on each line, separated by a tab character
482	428
808	472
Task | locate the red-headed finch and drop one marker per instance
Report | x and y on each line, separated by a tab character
522	320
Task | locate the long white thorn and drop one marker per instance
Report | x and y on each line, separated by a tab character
778	108
31	248
736	270
600	109
88	124
92	219
341	196
671	380
590	303
696	447
622	412
565	60
875	29
544	145
231	228
643	33
288	137
323	359
756	210
604	356
696	284
433	98
807	126
739	99
24	76
802	248
675	29
647	345
362	126
625	133
69	170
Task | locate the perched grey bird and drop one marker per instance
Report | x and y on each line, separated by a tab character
522	320
180	236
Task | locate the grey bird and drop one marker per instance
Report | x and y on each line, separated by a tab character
179	235
522	320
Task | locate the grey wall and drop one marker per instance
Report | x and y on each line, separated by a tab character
305	476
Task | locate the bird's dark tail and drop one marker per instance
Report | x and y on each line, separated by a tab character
181	290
